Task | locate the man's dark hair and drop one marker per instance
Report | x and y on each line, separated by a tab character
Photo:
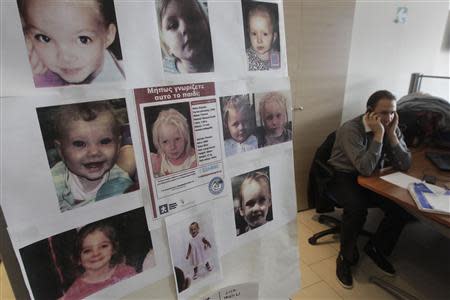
377	96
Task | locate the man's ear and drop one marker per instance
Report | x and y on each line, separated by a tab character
110	35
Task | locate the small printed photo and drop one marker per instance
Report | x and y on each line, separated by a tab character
252	200
89	151
77	263
194	251
170	138
262	36
239	124
71	42
185	36
274	119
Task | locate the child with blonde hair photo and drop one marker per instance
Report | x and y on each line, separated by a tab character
262	37
185	36
255	200
197	249
87	141
274	118
71	42
172	140
238	125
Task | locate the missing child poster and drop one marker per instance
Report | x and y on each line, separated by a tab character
179	128
105	132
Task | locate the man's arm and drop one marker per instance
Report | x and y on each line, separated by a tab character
398	152
363	158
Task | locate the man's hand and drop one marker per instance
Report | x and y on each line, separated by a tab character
37	66
374	123
390	131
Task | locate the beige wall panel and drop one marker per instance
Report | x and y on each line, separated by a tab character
318	37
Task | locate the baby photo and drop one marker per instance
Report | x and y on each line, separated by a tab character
71	42
185	36
274	126
252	199
193	249
170	138
77	263
238	118
89	151
261	31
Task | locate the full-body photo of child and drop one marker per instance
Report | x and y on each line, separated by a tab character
87	141
262	29
100	261
185	36
171	137
197	249
274	118
237	124
68	41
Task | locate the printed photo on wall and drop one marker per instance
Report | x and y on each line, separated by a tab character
71	42
89	151
77	263
193	249
252	199
169	130
239	124
179	126
261	29
185	36
274	124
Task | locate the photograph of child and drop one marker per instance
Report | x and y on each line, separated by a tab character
185	36
274	126
170	138
252	200
239	124
79	262
261	35
89	150
71	42
193	249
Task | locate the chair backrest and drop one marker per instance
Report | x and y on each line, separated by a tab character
319	175
322	155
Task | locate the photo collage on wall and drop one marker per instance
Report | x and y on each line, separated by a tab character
146	119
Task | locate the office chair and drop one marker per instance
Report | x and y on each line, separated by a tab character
321	173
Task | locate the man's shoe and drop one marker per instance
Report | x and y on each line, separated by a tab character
344	272
379	259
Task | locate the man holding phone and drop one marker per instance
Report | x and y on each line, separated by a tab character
363	145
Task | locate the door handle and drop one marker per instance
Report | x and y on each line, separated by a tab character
297	108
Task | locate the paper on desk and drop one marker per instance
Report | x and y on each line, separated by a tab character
439	202
400	179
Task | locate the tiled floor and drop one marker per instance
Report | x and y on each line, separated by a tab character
421	258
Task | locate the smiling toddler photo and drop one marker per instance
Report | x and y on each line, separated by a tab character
84	143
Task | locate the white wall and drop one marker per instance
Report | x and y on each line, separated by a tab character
383	53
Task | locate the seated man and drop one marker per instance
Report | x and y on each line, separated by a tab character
362	145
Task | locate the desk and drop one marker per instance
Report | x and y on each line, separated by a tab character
420	165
